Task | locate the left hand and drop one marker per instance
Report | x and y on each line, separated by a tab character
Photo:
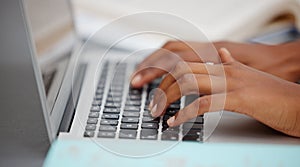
234	87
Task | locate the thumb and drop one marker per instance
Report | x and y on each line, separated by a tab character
225	56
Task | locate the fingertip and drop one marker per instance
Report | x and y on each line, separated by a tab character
225	55
171	121
224	51
137	81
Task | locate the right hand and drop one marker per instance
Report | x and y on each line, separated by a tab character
230	86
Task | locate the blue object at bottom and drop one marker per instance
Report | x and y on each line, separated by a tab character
87	153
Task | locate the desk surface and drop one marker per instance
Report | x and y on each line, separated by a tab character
87	153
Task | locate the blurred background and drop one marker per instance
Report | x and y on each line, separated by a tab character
218	19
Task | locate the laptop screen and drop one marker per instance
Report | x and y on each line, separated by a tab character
52	29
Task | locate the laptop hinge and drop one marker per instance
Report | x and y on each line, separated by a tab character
70	109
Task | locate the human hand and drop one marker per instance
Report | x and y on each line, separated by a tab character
231	86
164	59
280	60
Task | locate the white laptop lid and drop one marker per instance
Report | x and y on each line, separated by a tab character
51	26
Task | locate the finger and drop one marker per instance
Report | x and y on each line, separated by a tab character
194	51
146	76
184	68
177	46
188	84
225	56
204	104
180	50
157	65
176	51
153	66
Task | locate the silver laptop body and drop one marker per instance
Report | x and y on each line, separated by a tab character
34	114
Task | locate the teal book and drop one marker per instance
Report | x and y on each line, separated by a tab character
73	153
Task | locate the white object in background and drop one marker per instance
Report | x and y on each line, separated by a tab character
218	19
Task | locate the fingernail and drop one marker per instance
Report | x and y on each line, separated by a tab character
153	111
151	104
136	79
171	120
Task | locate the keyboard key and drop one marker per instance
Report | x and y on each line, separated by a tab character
170	129
127	134
135	91
111	110
150	119
129	126
95	109
192	132
115	94
112	105
114	99
96	103
133	103
105	134
101	85
92	121
116	88
110	116
132	108
98	97
131	114
117	82
192	138
150	125
192	126
171	112
94	115
146	113
89	134
149	134
90	127
107	128
99	92
197	120
174	106
169	136
130	120
135	97
109	122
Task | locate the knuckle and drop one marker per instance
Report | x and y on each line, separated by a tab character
204	101
229	70
187	78
169	44
183	115
179	67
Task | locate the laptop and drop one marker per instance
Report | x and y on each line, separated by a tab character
58	87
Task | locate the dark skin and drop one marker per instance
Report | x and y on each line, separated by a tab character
254	74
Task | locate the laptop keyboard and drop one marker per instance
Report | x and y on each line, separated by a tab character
119	113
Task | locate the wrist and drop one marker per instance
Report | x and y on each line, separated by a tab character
294	110
246	53
291	54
